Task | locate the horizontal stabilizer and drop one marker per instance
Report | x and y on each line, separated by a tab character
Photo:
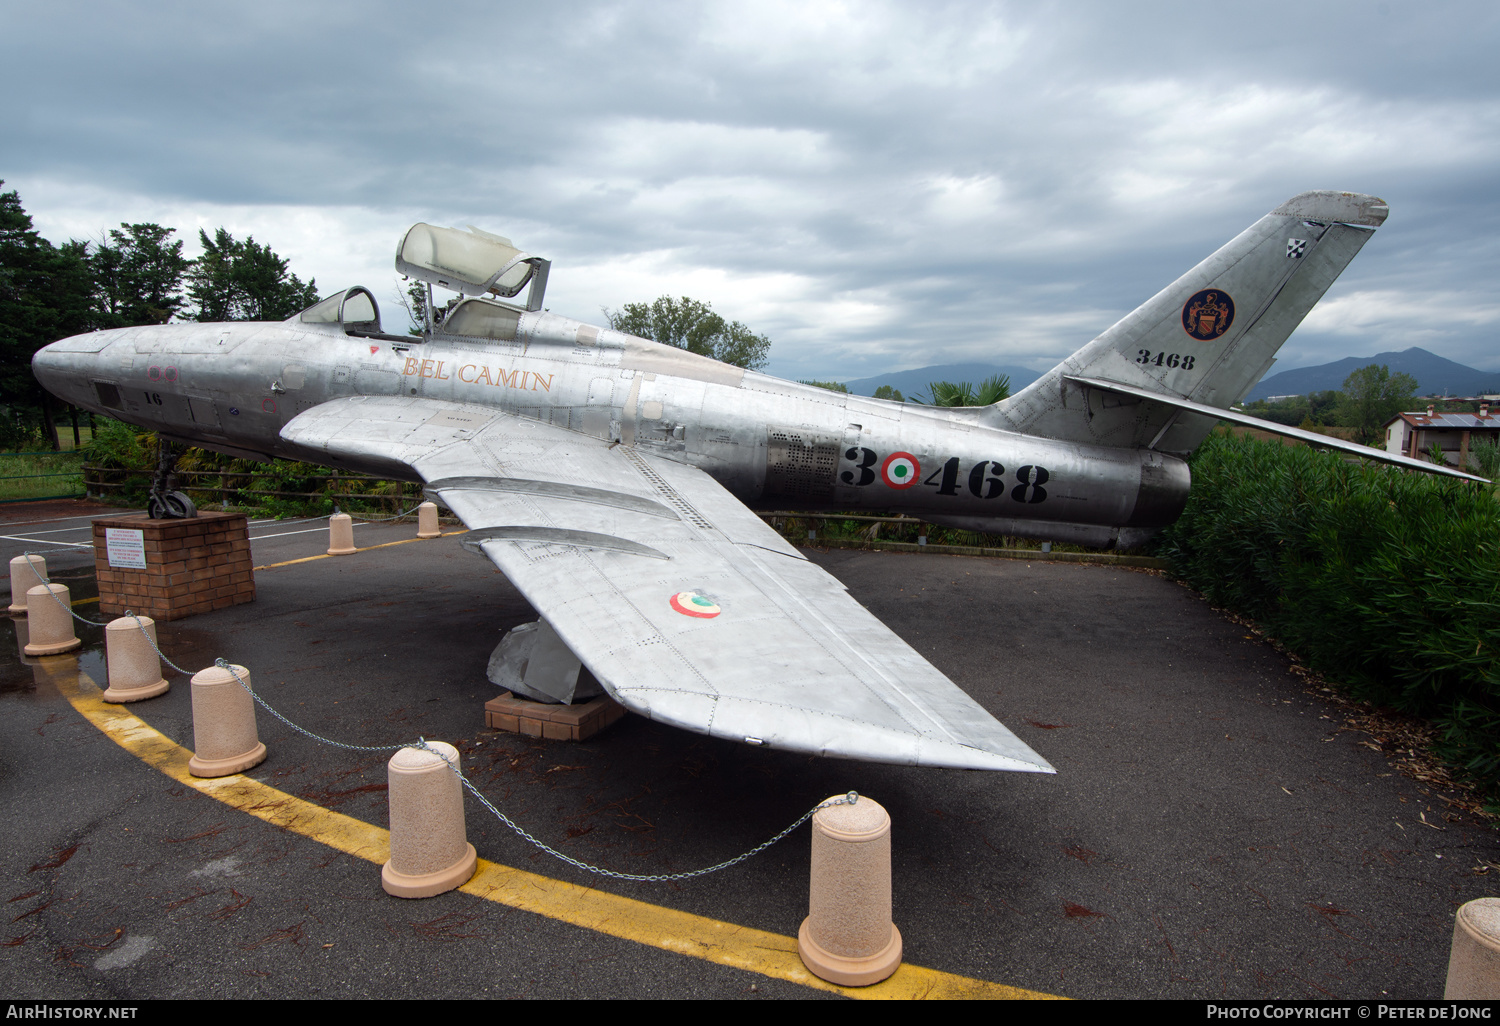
1235	417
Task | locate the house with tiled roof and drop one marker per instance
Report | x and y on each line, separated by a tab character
1414	434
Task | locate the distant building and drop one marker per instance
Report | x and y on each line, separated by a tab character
1280	398
1415	433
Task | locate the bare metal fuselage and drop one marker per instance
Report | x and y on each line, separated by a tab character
774	444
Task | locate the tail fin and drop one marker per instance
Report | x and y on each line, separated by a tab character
1208	337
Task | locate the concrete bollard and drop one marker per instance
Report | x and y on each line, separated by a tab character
340	535
134	667
848	937
430	853
225	740
1474	961
26	572
427	521
49	618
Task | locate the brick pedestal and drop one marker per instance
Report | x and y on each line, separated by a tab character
557	722
192	566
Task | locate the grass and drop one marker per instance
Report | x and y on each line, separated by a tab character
832	526
40	475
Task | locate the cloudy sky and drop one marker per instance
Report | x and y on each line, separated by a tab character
875	186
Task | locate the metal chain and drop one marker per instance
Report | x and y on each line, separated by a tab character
48	552
224	664
421	744
55	596
102	623
381	520
289	522
848	799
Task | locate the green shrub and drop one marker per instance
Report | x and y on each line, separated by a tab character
121	447
1385	580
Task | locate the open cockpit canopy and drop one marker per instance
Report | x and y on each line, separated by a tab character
472	262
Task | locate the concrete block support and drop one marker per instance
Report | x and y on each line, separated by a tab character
1474	961
225	740
134	667
848	937
26	572
427	521
341	535
49	618
430	853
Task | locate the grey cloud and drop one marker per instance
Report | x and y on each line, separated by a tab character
973	180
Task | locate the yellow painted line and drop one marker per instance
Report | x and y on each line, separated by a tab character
757	951
367	548
84	602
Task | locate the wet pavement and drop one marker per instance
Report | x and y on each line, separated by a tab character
1212	831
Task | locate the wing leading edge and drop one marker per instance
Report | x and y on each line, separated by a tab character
686	606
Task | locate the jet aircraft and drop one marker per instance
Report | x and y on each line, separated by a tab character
613	479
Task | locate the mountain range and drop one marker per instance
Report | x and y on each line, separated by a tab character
1435	375
915	382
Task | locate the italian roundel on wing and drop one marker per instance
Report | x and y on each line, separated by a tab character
696	604
900	470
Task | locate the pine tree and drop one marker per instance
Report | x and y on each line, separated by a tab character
45	294
138	276
244	281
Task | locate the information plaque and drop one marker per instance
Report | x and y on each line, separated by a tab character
125	548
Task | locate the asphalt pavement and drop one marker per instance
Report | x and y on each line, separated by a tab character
1213	830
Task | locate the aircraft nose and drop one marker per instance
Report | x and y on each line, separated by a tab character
48	362
61	368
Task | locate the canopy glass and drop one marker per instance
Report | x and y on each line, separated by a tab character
355	307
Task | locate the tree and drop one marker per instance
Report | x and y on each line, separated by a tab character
1291	411
891	393
1322	406
244	281
946	393
138	279
414	302
1372	396
832	386
45	295
692	325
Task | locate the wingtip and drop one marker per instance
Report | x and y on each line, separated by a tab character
978	759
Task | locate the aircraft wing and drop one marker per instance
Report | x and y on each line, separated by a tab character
1236	417
685	605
